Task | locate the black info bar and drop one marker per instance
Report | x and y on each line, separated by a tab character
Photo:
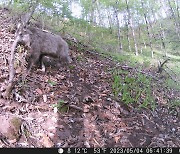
157	150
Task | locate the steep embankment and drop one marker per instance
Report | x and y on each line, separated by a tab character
89	116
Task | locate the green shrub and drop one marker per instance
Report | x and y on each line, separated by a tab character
135	90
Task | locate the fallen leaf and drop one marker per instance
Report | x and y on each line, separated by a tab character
116	138
86	108
46	141
39	91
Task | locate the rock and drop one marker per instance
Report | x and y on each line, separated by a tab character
10	128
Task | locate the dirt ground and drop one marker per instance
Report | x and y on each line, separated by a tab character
89	115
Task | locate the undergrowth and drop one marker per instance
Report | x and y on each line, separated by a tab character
133	89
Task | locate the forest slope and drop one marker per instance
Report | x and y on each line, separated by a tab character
74	106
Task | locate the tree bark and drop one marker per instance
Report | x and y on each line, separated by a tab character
154	21
141	37
130	23
127	34
92	19
110	21
163	39
148	30
119	31
99	13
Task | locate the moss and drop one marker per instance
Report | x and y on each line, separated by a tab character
15	124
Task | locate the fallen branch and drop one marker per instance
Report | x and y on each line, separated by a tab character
76	107
11	83
160	67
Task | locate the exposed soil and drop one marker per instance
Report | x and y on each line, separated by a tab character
90	116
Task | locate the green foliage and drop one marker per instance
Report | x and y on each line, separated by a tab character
52	83
61	107
79	58
71	67
134	90
172	84
175	103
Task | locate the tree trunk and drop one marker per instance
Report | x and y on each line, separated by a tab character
127	34
163	39
110	22
92	13
161	33
130	23
99	13
141	37
119	31
177	10
148	31
154	21
175	21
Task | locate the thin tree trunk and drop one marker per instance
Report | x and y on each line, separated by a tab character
175	21
141	37
110	21
134	38
144	42
177	10
99	13
161	32
130	23
128	39
92	14
163	39
119	31
152	24
148	31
